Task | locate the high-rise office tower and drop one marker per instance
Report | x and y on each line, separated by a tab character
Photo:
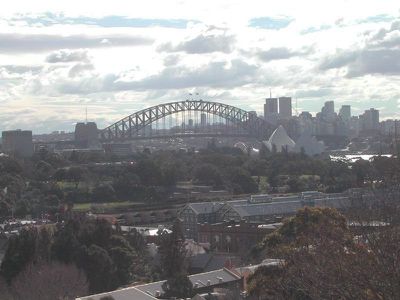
370	119
271	110
328	112
270	106
203	119
345	113
329	107
285	107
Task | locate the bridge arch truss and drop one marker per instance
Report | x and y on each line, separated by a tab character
129	127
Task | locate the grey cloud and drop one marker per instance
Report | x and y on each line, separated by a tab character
216	74
203	43
67	55
380	55
21	69
382	61
25	43
281	53
365	61
340	59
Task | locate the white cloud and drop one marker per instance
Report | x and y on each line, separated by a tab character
56	56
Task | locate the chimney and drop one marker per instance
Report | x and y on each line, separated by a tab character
157	293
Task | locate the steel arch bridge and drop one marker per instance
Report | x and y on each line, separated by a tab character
129	128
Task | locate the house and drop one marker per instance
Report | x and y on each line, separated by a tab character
122	294
202	283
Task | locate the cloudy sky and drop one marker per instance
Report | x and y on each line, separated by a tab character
117	57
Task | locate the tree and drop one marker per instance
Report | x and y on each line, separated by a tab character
173	263
178	286
310	226
208	174
20	251
323	260
5	290
149	172
242	182
52	281
43	170
265	283
172	251
98	267
103	193
76	175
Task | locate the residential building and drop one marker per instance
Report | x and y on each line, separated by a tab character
388	127
17	142
86	134
234	237
122	294
202	283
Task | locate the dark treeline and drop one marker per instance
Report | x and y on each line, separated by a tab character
41	184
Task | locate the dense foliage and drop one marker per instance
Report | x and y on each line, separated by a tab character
107	258
44	183
322	258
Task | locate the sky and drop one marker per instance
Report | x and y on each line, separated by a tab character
58	58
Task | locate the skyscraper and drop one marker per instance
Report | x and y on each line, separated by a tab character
285	107
345	113
270	106
329	107
271	110
370	119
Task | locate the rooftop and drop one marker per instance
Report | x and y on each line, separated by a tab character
130	293
200	280
205	207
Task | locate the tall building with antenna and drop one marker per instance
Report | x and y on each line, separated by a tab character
86	133
271	110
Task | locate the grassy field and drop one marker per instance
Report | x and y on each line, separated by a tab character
105	207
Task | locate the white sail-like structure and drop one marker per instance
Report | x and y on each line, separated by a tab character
280	140
309	145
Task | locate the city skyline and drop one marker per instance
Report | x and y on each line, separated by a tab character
118	58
